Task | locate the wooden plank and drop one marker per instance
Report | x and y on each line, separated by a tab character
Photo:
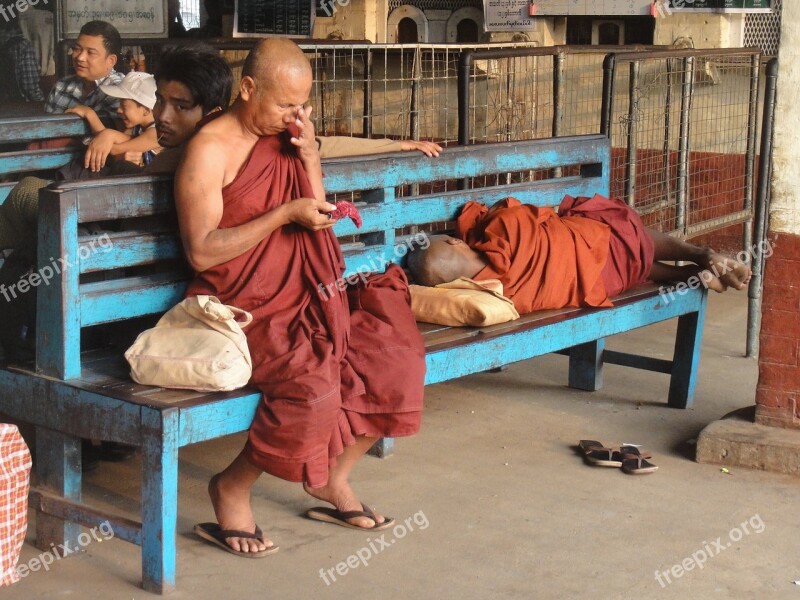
84	514
58	470
42	127
102	304
57	320
128	251
346	174
122	197
212	420
487	352
37	160
59	406
686	358
159	499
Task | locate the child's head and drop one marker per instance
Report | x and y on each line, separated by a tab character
137	93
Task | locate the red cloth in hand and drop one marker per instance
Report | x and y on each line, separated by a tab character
346	209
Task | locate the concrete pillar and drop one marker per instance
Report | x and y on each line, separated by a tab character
778	391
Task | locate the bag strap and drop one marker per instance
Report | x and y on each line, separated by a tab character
242	317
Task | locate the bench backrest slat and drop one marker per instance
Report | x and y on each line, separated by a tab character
66	304
42	127
37	160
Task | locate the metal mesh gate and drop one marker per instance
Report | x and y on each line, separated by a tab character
763	30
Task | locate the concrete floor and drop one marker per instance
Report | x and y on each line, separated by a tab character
500	505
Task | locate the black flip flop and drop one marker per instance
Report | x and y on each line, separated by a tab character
339	517
211	532
598	455
636	463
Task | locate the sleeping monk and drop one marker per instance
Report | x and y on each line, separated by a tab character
336	372
590	251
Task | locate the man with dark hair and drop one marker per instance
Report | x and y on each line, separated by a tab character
201	70
94	55
19	69
177	113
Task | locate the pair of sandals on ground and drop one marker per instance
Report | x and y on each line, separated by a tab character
212	533
629	458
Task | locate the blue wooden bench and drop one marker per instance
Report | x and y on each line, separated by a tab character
69	394
15	130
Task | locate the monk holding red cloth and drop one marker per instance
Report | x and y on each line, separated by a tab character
336	372
590	251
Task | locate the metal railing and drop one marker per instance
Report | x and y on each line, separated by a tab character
683	123
684	127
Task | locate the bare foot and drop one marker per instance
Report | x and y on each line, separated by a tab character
711	281
231	502
342	496
730	271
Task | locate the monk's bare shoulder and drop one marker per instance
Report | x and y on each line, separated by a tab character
204	155
216	152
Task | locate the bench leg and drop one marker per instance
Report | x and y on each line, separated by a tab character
383	448
58	469
159	499
683	381
586	366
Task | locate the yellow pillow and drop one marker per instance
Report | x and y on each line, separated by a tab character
462	302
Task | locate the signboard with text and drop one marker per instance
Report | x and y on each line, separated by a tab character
260	18
132	18
591	7
722	5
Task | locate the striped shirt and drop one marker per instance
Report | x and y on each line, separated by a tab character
68	92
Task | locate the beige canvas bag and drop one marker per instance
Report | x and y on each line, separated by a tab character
462	302
198	344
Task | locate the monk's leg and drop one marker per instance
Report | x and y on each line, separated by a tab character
338	491
230	495
729	271
663	272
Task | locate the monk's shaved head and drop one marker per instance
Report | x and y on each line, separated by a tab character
445	259
274	58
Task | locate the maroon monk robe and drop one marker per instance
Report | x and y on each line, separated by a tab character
329	367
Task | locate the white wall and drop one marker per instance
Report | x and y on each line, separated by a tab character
785	208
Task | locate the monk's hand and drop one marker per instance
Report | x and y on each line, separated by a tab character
306	140
427	148
310	213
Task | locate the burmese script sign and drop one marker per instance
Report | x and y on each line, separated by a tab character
507	15
623	8
132	18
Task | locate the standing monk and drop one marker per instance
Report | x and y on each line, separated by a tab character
335	373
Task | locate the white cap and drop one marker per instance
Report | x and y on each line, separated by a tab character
137	86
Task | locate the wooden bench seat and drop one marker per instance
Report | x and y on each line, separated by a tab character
139	272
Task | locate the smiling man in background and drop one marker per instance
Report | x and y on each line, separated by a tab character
94	56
